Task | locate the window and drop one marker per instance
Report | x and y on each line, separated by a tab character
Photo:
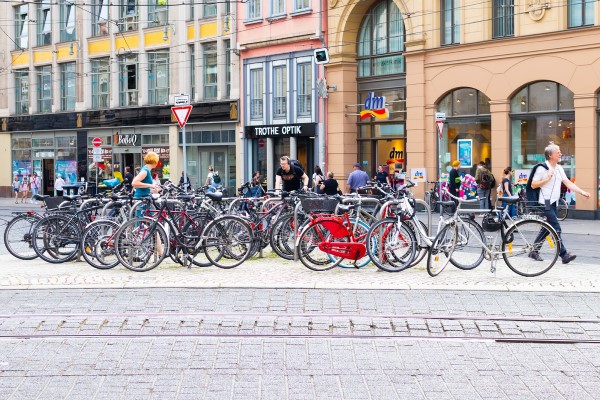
210	70
100	18
227	44
157	12
158	77
381	41
304	89
44	82
67	86
44	23
128	80
67	20
581	13
253	9
279	91
503	18
301	5
450	22
100	83
192	72
128	16
209	8
542	112
256	93
277	7
22	92
22	26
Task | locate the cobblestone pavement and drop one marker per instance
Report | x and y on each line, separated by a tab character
193	343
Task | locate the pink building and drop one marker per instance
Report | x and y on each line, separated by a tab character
281	111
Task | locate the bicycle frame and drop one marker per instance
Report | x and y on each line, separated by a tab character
338	227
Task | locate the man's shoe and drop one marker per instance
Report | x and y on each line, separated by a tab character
568	257
536	256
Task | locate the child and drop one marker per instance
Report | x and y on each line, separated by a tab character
16	185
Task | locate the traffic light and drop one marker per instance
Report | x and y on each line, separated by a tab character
321	56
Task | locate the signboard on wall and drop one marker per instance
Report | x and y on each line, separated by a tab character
161	151
132	139
280	131
106	153
418	175
465	152
521	176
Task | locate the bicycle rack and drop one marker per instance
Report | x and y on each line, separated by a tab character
428	209
298	206
260	210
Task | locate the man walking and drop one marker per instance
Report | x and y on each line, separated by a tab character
356	179
548	181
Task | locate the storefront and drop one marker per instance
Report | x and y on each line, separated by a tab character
270	142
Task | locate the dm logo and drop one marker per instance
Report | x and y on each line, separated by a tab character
374	107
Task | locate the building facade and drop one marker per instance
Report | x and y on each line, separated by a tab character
509	78
76	70
280	104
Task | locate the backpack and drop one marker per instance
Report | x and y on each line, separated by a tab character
487	180
216	177
533	195
297	164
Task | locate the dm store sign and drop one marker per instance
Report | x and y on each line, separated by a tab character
374	106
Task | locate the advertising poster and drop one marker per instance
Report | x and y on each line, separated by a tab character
521	176
21	168
465	152
418	175
68	170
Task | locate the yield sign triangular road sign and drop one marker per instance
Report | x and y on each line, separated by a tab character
182	113
440	127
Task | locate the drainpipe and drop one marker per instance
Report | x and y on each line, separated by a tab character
321	116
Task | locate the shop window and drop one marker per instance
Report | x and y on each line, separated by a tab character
158	77
503	18
128	80
44	82
450	22
100	18
67	20
381	41
128	16
44	23
542	112
580	13
157	13
67	86
22	26
210	70
22	92
100	83
467	132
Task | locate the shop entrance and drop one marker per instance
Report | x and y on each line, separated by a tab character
126	159
48	177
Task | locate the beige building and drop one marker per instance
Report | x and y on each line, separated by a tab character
510	77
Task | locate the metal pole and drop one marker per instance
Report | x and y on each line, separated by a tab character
184	159
439	169
97	177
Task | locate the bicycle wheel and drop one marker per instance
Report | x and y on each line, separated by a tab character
141	244
440	252
392	246
192	236
361	232
519	243
18	236
469	250
308	248
97	244
227	241
562	210
56	238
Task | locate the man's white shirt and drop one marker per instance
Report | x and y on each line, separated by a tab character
550	190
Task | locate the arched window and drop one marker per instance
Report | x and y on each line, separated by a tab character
381	41
542	112
467	132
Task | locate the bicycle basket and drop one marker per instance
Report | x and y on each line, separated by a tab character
491	222
52	203
320	204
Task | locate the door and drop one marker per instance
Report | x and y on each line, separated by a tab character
217	158
48	176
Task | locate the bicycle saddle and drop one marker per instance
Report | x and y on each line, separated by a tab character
216	196
509	199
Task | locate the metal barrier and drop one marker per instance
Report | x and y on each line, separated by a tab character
428	210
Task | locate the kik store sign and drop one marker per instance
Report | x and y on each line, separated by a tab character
374	106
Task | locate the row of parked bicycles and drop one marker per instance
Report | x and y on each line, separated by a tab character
380	225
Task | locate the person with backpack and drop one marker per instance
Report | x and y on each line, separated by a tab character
317	179
544	183
485	182
290	176
216	179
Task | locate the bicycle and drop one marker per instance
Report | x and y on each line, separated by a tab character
517	246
